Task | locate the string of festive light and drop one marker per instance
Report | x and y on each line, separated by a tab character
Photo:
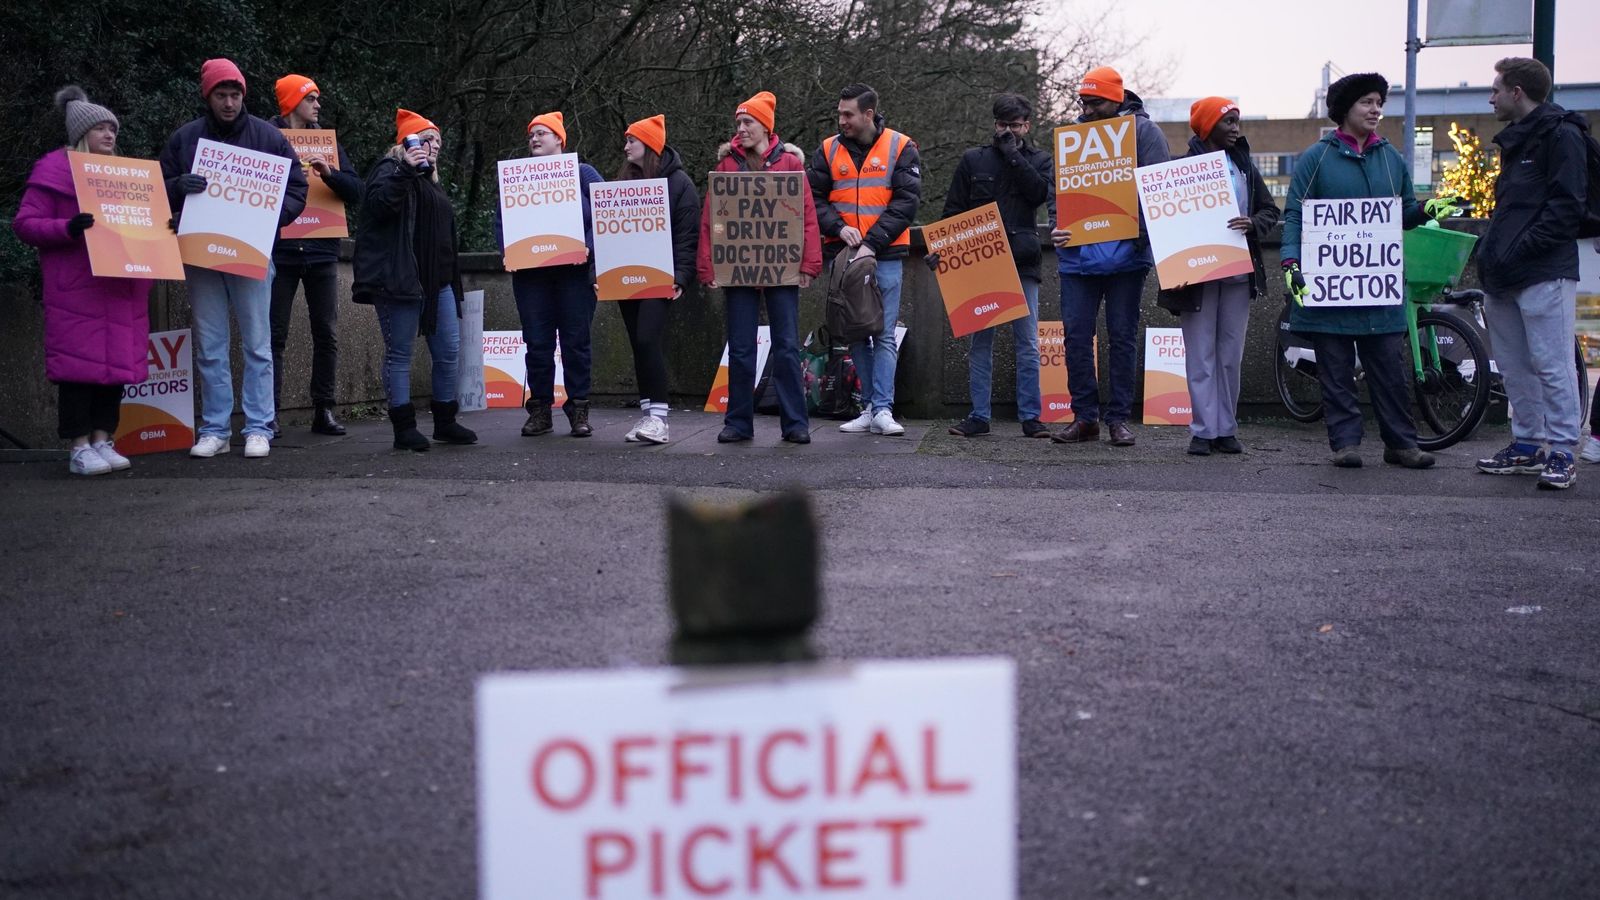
1472	175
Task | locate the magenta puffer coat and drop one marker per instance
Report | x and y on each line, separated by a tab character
96	330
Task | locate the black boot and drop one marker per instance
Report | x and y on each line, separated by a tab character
323	422
578	417
406	435
445	428
538	419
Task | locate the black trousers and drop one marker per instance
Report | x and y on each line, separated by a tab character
86	408
1384	358
322	304
646	321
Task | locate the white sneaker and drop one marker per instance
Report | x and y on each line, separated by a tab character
633	433
1591	450
256	446
115	460
208	446
85	461
883	423
859	424
653	430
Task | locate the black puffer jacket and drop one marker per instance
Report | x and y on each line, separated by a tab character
247	132
1264	216
385	264
1539	201
684	199
1018	182
346	185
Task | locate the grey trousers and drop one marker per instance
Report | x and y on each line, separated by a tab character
1213	352
1530	338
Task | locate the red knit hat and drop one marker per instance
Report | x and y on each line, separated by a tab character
407	122
291	89
554	122
651	132
1104	82
763	107
1206	112
217	71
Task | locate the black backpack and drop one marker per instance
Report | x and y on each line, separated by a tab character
1590	225
855	305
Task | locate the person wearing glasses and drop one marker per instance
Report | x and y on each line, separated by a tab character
1015	175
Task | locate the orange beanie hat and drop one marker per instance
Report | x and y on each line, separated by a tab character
407	122
651	132
1104	82
763	107
552	121
1206	112
218	71
291	90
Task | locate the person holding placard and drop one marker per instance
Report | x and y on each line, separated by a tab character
1214	315
213	294
556	302
1354	162
313	262
756	148
1111	271
646	154
407	267
1015	175
96	330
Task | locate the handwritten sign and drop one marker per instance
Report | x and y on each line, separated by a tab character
541	212
231	226
977	274
1187	205
1351	252
1096	197
324	215
758	232
128	199
632	239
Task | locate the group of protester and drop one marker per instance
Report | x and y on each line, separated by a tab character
865	191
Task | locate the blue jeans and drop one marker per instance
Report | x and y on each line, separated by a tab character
212	295
551	302
744	319
398	322
1025	341
875	358
1080	309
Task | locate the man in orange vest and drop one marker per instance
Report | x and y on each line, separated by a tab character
867	182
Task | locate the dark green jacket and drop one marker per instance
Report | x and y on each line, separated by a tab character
1330	170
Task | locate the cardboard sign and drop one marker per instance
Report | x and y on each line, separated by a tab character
324	215
866	780
1054	392
158	415
1096	196
505	371
758	227
541	213
1351	252
632	239
977	274
1166	381
230	227
1187	204
128	198
718	399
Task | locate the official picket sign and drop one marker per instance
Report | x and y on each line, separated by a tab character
158	414
1095	192
1166	381
541	212
632	238
505	371
1351	252
231	225
324	215
1187	206
758	233
977	274
717	400
863	780
128	199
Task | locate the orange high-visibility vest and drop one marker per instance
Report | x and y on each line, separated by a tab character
861	196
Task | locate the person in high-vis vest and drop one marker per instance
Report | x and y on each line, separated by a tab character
867	182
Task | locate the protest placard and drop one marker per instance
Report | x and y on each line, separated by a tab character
541	212
1055	393
871	780
1166	382
128	199
758	227
1351	252
632	239
505	371
1187	206
717	401
158	414
470	389
977	274
324	215
1096	197
230	226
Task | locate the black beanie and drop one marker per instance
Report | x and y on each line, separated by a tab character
1344	93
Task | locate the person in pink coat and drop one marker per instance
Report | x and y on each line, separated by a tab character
96	330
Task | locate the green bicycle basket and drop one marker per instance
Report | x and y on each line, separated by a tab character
1434	257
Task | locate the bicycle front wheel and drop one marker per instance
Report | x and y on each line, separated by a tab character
1295	374
1453	395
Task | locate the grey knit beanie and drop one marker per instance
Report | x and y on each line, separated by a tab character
81	114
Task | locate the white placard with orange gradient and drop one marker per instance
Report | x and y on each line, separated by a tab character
505	371
1096	197
541	212
1187	205
718	400
231	225
1055	394
1166	383
128	199
158	415
324	215
632	239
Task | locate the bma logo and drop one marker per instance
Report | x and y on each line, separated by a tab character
219	250
1196	262
985	308
136	267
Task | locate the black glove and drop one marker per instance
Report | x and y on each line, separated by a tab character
80	223
1008	145
932	259
191	183
172	225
